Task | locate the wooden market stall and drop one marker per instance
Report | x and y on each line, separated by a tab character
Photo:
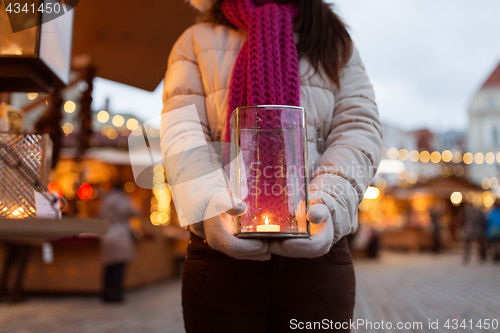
403	216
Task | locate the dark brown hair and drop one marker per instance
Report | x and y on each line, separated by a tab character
324	39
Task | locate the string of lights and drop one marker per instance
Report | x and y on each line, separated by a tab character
446	156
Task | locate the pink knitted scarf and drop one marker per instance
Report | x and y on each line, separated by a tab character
266	71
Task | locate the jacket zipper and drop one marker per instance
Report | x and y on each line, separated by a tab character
319	141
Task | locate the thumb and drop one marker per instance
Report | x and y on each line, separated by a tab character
317	213
238	209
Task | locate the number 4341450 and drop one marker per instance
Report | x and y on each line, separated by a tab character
48	8
471	324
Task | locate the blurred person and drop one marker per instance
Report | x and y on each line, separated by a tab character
258	52
366	239
473	230
493	231
14	265
117	245
436	212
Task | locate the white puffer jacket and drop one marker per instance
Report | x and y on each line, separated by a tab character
343	127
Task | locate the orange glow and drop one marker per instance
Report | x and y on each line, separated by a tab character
55	188
85	191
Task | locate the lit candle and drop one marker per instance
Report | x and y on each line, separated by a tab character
268	227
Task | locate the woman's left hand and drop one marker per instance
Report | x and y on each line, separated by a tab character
317	245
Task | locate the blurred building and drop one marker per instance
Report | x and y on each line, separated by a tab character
453	140
483	135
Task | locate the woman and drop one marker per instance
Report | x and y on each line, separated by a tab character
117	245
258	52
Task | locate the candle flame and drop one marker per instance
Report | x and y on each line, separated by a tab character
267	220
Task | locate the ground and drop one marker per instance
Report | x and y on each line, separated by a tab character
398	287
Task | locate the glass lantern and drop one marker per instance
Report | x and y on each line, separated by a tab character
17	196
269	170
35	46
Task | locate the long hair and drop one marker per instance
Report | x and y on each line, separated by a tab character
324	39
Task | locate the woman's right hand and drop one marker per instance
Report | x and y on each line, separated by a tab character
219	231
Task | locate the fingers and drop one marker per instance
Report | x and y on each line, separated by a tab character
315	246
301	248
238	209
318	213
244	249
250	246
250	249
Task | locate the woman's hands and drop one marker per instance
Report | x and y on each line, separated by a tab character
220	234
317	245
219	231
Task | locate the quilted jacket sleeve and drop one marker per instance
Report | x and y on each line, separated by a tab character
354	147
193	169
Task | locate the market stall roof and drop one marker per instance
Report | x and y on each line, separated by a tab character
129	42
438	186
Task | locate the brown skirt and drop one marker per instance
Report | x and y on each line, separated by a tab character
221	294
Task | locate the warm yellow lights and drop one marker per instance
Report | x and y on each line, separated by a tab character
112	133
414	156
69	107
435	157
392	153
158	168
160	203
457	157
456	198
129	187
489	158
372	193
105	129
488	199
403	154
132	124
468	158
103	116
447	156
479	158
32	96
485	183
425	156
68	128
118	120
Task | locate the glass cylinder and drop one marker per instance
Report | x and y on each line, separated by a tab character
269	170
